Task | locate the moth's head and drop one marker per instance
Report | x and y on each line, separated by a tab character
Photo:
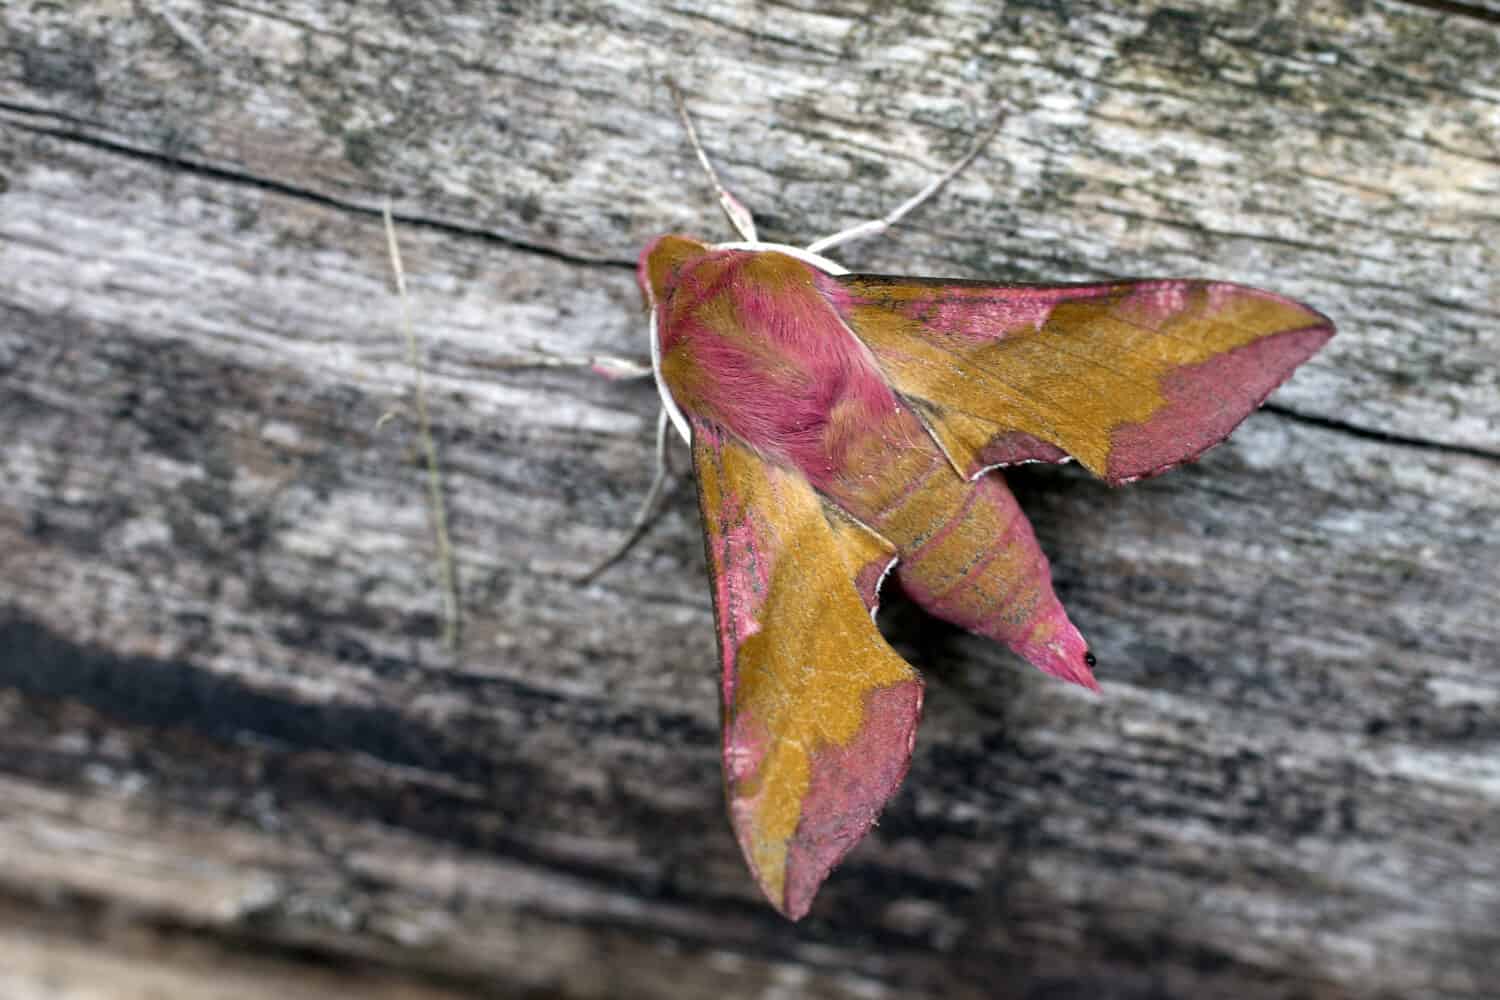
660	264
658	271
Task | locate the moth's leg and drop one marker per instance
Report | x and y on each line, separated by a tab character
739	216
648	506
608	365
611	367
876	226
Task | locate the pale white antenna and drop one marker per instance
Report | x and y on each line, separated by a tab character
739	216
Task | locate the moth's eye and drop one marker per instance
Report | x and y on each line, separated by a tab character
1089	659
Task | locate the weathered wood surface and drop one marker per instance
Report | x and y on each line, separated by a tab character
234	758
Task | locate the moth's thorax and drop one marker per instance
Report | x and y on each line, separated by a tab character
750	341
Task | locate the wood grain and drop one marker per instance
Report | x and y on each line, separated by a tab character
235	759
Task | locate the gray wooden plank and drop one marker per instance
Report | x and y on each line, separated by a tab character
225	711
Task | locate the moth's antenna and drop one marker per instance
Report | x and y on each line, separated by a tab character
739	216
876	226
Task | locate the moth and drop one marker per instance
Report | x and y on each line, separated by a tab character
845	427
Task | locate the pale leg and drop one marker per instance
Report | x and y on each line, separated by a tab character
608	365
647	509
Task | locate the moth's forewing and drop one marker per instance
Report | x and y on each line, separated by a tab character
819	713
1129	378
